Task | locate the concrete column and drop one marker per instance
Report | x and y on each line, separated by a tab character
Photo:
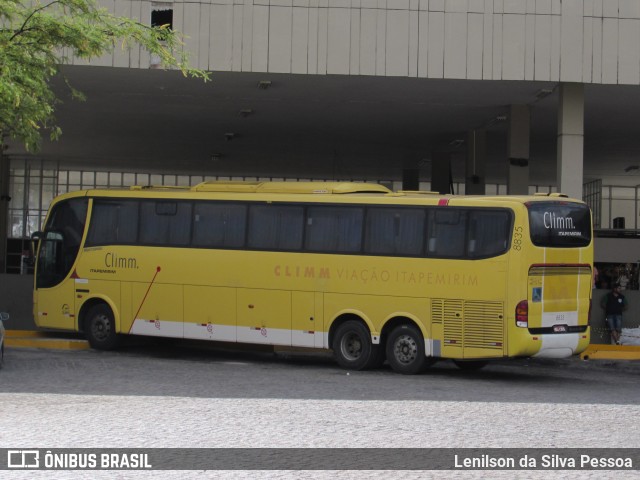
476	156
441	172
571	139
518	150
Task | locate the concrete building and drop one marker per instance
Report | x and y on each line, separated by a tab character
495	96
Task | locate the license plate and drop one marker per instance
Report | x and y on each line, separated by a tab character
559	329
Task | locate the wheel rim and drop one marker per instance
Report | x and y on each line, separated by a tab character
405	349
101	327
351	346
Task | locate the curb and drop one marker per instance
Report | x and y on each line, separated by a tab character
31	339
611	352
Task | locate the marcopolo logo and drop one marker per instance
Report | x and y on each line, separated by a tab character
23	459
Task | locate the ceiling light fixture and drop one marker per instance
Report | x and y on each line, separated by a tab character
543	92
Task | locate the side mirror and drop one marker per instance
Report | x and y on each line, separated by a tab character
4	316
35	240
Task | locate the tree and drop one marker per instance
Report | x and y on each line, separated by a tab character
34	37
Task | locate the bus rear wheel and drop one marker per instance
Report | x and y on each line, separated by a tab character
352	347
405	350
100	328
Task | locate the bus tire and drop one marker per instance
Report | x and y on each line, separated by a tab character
352	347
405	350
100	328
471	364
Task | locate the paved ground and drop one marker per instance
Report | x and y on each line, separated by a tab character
150	396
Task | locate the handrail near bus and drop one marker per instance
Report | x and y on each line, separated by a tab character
616	233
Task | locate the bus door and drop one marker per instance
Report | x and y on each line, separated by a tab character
53	295
58	250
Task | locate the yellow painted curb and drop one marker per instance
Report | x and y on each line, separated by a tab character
611	352
23	333
48	343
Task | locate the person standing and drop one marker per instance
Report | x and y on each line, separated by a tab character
614	303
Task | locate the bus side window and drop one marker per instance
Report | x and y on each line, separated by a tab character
488	233
219	225
276	227
334	229
394	231
447	227
165	223
113	222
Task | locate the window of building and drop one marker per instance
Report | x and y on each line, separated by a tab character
162	16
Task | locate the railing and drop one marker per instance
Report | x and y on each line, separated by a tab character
34	184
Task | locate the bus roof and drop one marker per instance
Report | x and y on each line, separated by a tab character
290	187
245	190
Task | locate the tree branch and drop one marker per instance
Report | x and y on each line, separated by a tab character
37	10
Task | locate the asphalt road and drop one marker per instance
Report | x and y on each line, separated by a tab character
172	396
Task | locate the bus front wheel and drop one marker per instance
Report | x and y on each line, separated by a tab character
352	347
100	328
405	350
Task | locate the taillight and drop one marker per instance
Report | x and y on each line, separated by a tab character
522	314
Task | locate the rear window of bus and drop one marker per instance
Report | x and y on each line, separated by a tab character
559	224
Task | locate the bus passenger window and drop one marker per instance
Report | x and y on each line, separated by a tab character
276	227
165	223
113	222
394	231
219	225
447	229
488	233
334	229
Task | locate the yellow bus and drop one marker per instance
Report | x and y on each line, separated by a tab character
406	277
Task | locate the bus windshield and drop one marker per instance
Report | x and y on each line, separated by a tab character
559	224
60	242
